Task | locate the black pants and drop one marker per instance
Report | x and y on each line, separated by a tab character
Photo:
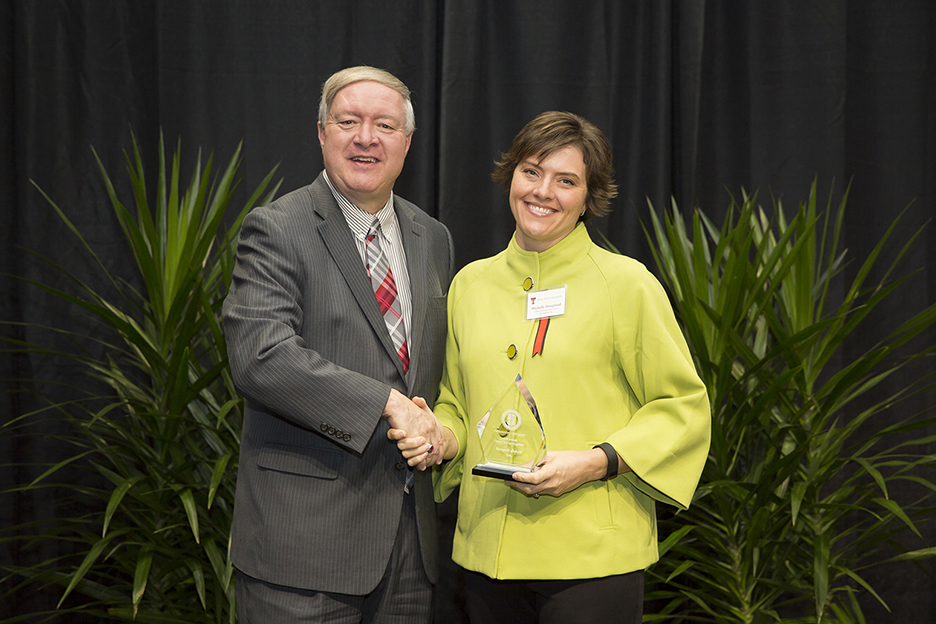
617	599
403	596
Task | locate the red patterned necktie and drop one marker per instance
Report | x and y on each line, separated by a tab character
381	276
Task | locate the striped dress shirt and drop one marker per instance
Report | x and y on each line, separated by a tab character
360	221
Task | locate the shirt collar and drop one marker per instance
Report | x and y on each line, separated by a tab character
359	220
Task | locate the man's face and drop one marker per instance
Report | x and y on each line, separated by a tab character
364	142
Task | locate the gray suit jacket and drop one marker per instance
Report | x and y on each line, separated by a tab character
319	486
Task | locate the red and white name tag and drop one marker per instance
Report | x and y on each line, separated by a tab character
547	303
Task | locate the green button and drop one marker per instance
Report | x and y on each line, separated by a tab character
528	283
512	352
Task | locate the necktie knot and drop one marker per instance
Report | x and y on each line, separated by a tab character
374	230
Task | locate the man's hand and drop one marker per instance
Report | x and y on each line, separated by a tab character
416	429
417	451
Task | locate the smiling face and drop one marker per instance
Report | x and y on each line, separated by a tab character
547	197
364	142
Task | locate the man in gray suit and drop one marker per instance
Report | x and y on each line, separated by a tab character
336	315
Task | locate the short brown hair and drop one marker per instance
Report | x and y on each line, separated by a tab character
552	131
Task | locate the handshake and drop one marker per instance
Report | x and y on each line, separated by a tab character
422	440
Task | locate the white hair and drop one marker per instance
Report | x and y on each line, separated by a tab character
341	79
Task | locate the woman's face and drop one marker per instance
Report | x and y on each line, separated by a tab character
547	197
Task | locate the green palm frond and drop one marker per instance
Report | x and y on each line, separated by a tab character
161	439
794	502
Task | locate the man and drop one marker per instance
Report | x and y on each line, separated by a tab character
336	315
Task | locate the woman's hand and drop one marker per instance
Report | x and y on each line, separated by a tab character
561	471
417	451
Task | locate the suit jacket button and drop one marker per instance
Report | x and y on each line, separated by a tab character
339	433
324	426
347	437
331	431
401	465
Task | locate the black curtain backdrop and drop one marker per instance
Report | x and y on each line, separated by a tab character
699	99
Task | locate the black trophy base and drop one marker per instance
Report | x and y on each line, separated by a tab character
498	471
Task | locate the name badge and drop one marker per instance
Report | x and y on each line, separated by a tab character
545	303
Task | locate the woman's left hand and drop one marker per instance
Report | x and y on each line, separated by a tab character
560	472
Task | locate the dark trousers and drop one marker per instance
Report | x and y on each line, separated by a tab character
617	599
403	596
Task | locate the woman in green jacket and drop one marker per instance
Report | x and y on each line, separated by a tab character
615	386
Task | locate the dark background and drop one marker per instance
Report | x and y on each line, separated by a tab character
699	99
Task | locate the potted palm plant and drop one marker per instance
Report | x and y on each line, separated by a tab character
808	443
161	439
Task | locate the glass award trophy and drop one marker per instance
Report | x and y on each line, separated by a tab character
512	436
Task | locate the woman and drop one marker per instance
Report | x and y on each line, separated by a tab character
613	381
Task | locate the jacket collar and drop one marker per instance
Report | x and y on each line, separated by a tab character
339	240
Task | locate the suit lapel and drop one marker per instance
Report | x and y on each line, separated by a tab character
338	239
414	244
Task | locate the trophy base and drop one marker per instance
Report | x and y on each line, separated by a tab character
498	471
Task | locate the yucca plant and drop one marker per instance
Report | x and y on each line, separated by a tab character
807	444
160	441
